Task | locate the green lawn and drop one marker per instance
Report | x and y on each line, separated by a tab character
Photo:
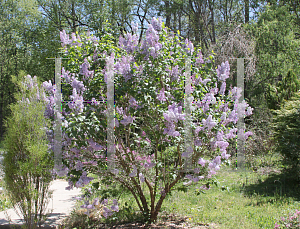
255	199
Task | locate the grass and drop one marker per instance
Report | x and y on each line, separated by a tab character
256	199
250	200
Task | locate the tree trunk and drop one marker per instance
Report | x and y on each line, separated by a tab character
168	13
246	11
211	8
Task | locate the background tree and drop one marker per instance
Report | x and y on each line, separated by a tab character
284	90
275	49
286	124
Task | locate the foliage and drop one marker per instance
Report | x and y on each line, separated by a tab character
27	162
287	132
284	90
276	50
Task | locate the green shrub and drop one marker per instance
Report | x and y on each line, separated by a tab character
27	163
286	124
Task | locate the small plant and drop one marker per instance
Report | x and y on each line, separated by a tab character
293	221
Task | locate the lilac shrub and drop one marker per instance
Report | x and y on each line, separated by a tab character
149	95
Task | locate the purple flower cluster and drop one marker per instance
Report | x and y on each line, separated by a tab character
174	73
84	70
49	111
65	39
83	180
242	135
199	80
151	42
189	47
199	59
156	23
123	67
209	123
108	212
77	102
78	85
173	115
94	145
129	43
127	120
223	71
161	96
65	75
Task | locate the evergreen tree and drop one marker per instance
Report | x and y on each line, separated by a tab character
284	90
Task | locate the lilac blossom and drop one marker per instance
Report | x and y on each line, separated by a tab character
201	162
249	111
197	142
222	145
123	67
240	108
170	130
161	96
220	135
231	134
196	170
120	110
133	174
129	43
156	23
209	123
148	165
233	117
175	73
242	135
223	88
142	178
65	75
225	156
206	81
77	101
116	122
49	111
199	59
78	85
78	166
133	102
223	71
48	86
236	93
64	37
214	90
198	80
151	41
84	69
127	120
174	113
